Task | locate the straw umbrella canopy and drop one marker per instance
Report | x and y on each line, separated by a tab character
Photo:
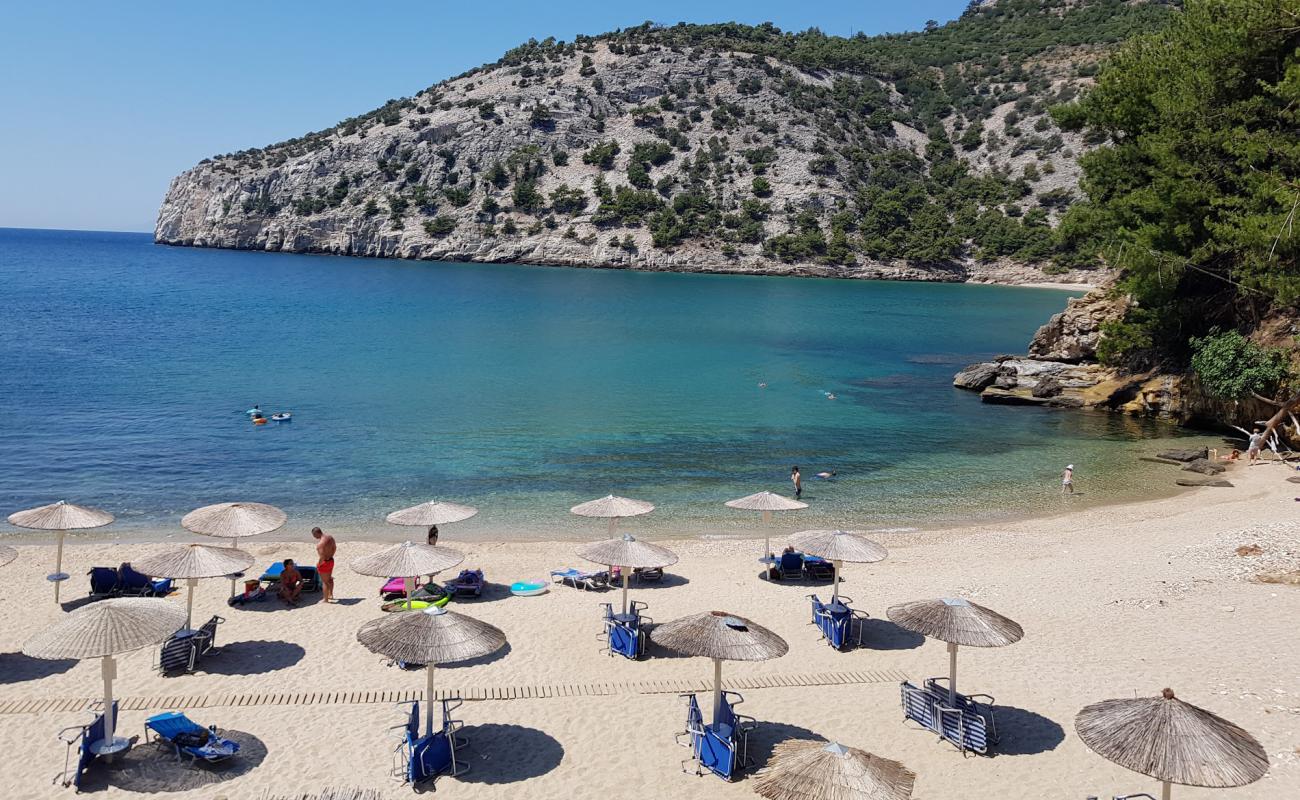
838	547
194	561
628	553
810	770
430	637
613	508
104	630
406	561
7	554
957	622
60	517
720	636
234	521
1172	741
434	512
766	502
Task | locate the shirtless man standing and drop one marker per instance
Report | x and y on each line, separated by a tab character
325	547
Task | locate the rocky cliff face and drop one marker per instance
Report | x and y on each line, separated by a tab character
619	154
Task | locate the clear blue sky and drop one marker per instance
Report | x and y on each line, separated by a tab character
102	103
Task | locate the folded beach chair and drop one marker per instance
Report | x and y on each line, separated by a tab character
648	574
625	637
183	649
469	583
428	757
723	746
84	736
818	569
841	626
579	579
188	738
789	567
967	724
103	581
137	584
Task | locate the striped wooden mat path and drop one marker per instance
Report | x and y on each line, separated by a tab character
519	692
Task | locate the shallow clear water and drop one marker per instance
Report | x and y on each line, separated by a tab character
126	367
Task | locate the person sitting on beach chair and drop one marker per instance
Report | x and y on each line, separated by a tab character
290	583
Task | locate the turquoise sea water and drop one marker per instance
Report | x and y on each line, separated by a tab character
523	390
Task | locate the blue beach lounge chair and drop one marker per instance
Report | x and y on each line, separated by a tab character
103	581
428	757
580	579
789	567
625	633
183	649
722	747
84	736
469	583
967	724
840	625
188	738
818	569
137	584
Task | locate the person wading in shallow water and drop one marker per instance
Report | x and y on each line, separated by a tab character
1067	480
797	480
325	547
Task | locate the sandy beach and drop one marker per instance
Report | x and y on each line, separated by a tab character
1115	601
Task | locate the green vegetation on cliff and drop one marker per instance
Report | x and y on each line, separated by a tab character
1196	195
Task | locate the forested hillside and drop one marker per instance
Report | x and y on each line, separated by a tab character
926	155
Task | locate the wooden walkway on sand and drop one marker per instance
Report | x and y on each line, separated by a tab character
518	692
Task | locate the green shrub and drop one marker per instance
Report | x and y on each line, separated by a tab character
440	226
1231	367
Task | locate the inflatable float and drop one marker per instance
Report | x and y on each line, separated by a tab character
527	588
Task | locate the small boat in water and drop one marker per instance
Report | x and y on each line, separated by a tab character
284	416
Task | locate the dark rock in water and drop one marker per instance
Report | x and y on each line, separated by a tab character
1160	461
1203	482
976	377
1047	387
1061	401
1184	455
1003	397
1203	466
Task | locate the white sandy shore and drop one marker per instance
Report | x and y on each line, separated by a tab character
1115	601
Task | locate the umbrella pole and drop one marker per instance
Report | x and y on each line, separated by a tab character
625	571
952	675
428	700
717	689
233	546
109	670
58	567
189	601
835	577
410	590
1165	788
613	524
767	534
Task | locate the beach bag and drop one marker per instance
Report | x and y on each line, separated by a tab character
192	738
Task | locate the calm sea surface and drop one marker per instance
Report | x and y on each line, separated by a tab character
125	368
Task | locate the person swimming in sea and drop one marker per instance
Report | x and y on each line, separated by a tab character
826	475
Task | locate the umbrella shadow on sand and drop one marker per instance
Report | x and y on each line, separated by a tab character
1025	733
668	581
274	603
252	658
16	667
499	753
768	734
154	769
881	634
481	660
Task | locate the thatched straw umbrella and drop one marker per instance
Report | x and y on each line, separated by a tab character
722	637
809	770
60	517
766	502
629	554
434	512
234	521
103	630
431	637
612	508
7	554
407	561
194	561
957	622
838	547
1172	741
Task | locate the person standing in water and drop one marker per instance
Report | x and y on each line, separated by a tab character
1067	480
797	480
325	547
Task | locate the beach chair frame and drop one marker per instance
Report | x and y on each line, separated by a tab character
151	727
420	760
968	724
724	757
182	653
99	580
578	579
838	633
84	736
